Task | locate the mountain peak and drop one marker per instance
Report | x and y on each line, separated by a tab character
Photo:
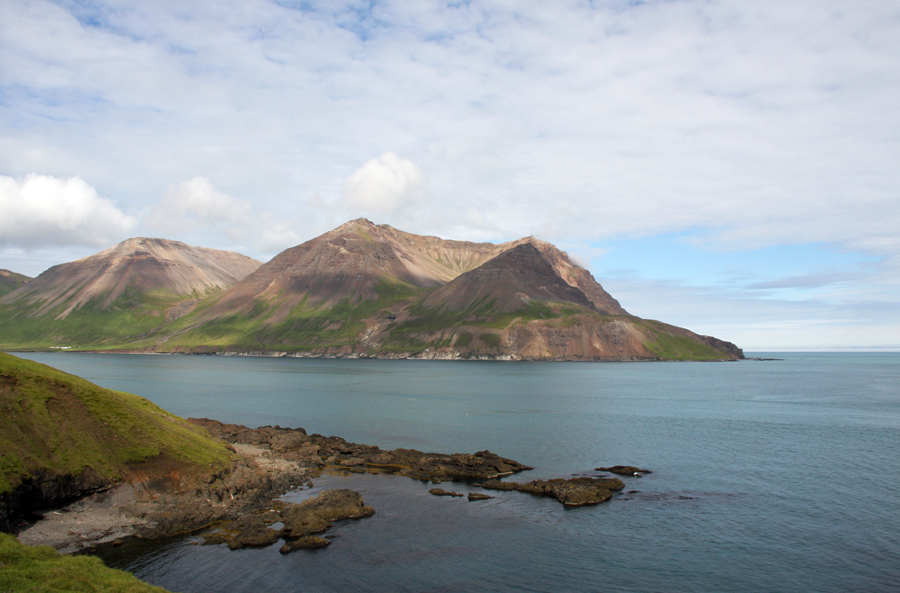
512	280
136	267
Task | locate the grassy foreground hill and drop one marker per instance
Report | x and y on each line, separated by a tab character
62	437
42	569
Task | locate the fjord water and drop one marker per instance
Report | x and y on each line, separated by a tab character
767	475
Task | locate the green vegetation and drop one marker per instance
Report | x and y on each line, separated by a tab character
306	327
491	340
9	281
54	421
670	346
89	327
480	314
464	339
43	570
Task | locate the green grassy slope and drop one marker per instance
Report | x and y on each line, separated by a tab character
305	327
54	422
42	569
9	281
92	327
671	344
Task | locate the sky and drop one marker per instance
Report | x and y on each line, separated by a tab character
729	167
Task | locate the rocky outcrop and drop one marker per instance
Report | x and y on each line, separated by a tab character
297	524
571	492
247	487
317	451
442	492
623	470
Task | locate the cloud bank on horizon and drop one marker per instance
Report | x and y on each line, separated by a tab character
757	141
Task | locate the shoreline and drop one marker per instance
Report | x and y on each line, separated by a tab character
246	504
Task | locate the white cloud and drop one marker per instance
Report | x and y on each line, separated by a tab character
384	184
41	210
196	203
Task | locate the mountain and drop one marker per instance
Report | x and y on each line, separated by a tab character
115	296
9	281
372	290
63	437
360	290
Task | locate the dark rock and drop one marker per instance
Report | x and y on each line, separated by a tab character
316	450
623	470
478	496
442	492
307	542
498	485
299	522
572	492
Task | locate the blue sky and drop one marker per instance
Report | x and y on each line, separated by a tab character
729	167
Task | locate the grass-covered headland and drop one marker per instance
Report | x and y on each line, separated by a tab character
62	436
42	569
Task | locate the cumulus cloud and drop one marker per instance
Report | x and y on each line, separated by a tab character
384	184
41	210
196	203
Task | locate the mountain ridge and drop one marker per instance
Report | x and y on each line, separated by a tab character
129	289
10	281
366	290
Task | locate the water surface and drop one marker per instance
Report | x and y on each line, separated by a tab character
767	476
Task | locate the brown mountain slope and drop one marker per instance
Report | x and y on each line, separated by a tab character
131	269
508	282
360	261
367	290
9	281
575	276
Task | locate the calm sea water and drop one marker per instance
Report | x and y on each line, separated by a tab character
767	476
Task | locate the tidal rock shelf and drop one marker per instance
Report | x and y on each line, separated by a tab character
320	452
481	469
298	524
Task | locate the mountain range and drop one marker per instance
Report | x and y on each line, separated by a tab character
360	290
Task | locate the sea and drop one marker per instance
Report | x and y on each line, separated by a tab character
767	475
